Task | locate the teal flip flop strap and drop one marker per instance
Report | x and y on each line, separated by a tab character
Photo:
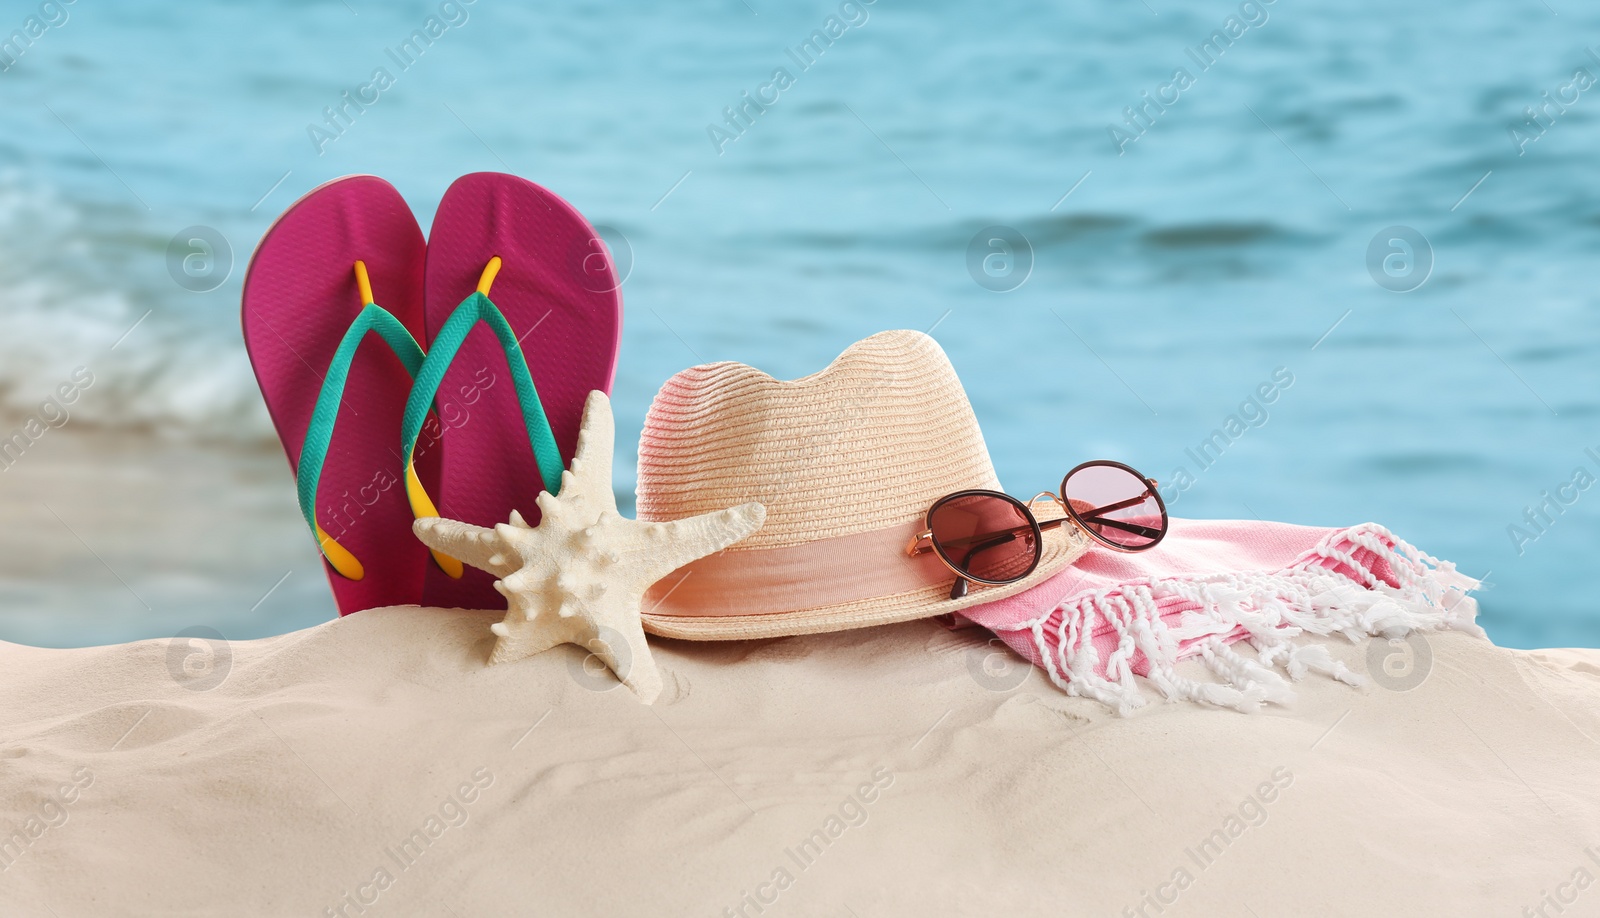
374	318
474	309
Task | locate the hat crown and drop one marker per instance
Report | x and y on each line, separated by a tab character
868	443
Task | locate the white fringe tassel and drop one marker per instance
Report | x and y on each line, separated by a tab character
1273	610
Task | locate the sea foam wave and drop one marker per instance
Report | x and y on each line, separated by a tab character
154	367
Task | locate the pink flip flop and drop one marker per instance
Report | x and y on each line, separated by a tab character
557	289
336	393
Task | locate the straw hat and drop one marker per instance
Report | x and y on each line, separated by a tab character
847	462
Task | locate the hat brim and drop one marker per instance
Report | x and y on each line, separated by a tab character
1060	546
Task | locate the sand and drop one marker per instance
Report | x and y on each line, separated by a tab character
374	766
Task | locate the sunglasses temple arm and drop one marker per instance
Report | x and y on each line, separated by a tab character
922	544
1122	504
1098	520
987	539
959	588
1134	528
1058	523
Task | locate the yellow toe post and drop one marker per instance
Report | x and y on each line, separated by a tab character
490	270
364	283
339	556
422	508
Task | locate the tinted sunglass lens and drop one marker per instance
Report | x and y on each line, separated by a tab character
1116	505
987	537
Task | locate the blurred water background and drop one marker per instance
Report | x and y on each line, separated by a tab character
1174	260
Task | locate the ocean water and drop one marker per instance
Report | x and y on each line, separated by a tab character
1354	197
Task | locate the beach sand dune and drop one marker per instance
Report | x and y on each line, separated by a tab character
374	766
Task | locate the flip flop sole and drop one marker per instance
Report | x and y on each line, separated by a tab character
300	297
558	290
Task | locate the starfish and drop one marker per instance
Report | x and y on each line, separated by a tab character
580	575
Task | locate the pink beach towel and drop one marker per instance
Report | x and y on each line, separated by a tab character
1111	617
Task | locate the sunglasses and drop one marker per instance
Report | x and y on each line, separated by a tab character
993	538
